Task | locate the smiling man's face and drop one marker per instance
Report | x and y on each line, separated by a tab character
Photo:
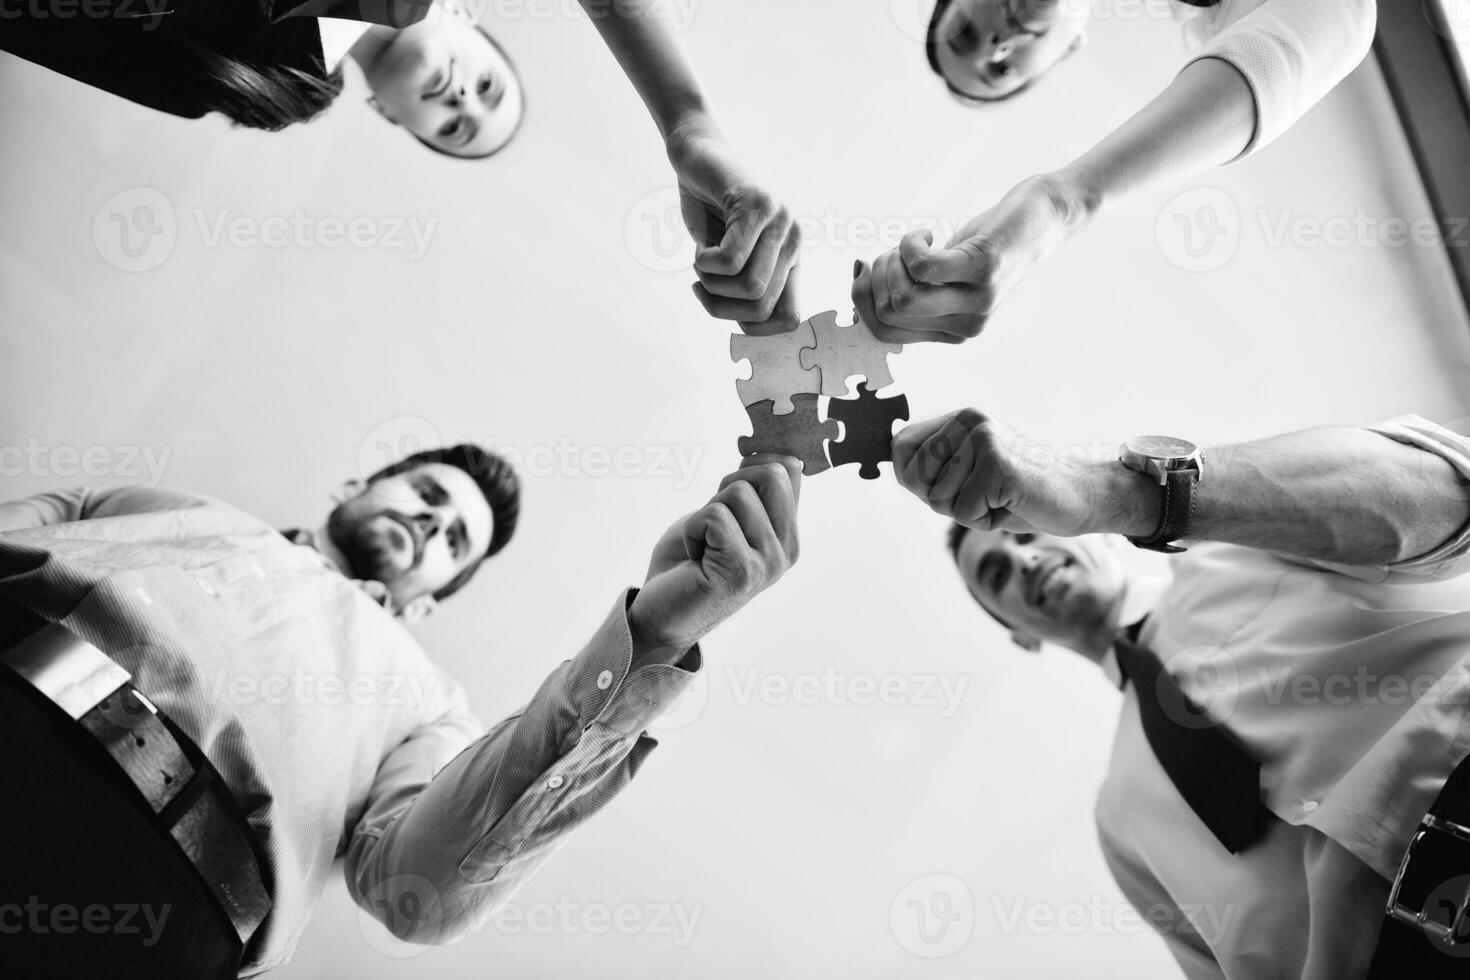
990	49
445	82
1067	591
413	531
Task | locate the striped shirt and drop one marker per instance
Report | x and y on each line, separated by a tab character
336	733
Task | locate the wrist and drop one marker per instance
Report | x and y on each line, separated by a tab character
1128	503
649	646
685	123
1077	198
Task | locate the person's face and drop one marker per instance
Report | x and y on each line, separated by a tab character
988	49
444	81
413	531
1058	590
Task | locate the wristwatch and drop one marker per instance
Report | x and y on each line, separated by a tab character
1177	466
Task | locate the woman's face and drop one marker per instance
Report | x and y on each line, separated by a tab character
444	81
988	49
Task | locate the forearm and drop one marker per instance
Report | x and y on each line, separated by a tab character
642	39
1343	495
1205	118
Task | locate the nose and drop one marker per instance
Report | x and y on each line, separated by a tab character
454	96
429	524
996	48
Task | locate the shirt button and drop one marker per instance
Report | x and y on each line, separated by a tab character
554	782
204	586
1309	806
604	680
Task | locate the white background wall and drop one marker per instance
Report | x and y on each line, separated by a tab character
539	317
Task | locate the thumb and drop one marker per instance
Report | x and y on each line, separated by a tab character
940	266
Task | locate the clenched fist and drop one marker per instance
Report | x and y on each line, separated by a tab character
983	474
709	564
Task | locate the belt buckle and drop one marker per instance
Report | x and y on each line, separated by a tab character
1434	832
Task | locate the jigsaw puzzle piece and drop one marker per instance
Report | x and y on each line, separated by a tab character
841	352
776	371
867	422
798	433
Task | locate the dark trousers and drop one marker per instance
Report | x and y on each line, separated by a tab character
90	885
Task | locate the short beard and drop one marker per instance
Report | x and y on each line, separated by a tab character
366	556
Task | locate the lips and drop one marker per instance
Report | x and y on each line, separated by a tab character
1044	580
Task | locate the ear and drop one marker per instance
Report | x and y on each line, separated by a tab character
1028	643
347	490
418	609
372	100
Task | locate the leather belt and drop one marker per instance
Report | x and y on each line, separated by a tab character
177	781
1426	929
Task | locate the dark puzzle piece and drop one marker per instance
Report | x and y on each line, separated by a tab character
799	433
868	429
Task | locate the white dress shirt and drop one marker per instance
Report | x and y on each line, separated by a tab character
1351	686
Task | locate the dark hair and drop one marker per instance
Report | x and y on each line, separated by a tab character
954	537
496	480
931	50
519	122
270	97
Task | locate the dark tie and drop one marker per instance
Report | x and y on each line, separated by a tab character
1211	769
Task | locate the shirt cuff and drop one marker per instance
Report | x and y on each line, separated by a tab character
606	693
1450	556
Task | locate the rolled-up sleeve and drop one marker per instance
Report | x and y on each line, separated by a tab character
1291	54
1451	557
436	853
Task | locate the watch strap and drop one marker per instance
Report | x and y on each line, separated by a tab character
1177	512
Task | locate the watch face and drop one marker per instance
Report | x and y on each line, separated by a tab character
1161	447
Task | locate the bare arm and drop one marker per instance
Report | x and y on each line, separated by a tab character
1203	119
1351	496
642	39
1252	83
746	240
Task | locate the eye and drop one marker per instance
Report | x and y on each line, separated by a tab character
485	84
1026	538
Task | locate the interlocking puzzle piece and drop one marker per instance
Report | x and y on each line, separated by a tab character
799	433
776	372
841	352
867	422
